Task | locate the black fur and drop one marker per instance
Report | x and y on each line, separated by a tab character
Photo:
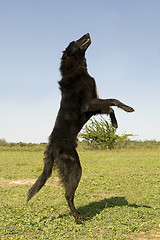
79	102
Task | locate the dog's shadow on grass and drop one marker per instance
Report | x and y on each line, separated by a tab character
94	208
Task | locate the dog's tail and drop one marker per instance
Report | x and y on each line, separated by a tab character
47	171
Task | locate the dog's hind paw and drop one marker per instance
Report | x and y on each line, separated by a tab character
78	218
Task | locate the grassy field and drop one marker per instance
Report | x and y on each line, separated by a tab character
118	196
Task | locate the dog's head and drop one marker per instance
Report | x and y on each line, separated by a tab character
77	47
74	54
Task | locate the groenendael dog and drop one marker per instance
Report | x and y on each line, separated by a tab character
79	102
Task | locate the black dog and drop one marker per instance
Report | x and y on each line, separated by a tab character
79	103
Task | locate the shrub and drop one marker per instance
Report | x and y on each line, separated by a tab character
102	135
99	134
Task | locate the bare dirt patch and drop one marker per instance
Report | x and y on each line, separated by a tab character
151	235
29	181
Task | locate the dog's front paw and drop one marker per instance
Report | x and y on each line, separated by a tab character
115	125
128	109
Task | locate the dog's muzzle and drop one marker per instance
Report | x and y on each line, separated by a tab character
84	42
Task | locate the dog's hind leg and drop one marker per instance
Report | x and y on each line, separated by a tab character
70	188
70	171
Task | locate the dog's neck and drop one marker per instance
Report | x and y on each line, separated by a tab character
73	67
72	75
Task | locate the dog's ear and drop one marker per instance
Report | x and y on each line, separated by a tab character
72	48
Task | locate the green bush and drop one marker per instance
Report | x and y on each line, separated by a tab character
102	135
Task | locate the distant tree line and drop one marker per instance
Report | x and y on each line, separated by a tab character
5	146
96	134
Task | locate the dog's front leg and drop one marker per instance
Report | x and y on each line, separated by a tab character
109	111
101	105
112	117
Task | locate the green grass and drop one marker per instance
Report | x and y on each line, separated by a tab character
118	196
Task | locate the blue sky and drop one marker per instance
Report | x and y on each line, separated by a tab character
124	59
